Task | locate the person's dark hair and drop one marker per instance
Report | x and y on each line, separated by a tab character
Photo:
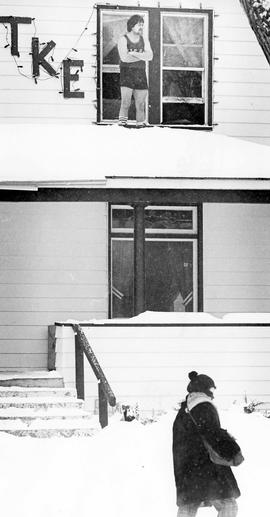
136	18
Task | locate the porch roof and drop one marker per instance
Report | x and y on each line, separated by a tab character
88	156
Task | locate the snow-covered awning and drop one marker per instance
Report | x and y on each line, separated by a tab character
36	156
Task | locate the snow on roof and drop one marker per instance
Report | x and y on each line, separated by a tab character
74	153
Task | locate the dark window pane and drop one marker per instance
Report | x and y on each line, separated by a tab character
182	83
169	219
123	218
169	276
122	278
184	57
183	113
183	30
112	97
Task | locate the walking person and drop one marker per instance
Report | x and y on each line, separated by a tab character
199	481
134	51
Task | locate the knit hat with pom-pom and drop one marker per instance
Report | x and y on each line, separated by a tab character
200	383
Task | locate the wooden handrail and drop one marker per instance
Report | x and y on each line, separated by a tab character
105	393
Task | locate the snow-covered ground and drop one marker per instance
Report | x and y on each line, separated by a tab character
124	471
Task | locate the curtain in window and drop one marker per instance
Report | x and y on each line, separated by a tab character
180	34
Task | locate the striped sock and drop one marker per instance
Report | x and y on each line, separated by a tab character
122	121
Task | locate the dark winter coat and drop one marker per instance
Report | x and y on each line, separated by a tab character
197	479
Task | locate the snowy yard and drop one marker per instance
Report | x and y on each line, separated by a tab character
124	471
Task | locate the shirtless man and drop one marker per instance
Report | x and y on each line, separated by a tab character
134	51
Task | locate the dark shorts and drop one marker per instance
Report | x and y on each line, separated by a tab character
134	78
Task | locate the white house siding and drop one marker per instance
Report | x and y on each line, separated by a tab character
241	72
236	258
53	265
150	365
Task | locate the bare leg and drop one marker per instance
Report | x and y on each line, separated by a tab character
126	94
226	507
187	510
140	98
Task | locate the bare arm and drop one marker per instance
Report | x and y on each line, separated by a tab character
147	55
125	56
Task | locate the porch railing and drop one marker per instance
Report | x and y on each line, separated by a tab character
105	393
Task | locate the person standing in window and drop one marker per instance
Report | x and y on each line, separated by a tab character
134	51
199	481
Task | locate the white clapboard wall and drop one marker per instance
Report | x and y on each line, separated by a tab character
241	72
53	264
149	364
236	265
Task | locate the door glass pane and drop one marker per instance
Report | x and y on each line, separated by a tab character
123	218
183	113
182	83
122	278
111	97
169	276
186	57
168	219
113	26
183	30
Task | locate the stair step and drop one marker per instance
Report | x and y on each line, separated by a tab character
18	391
36	404
40	403
28	414
52	433
48	428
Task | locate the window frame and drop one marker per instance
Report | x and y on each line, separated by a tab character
167	235
155	97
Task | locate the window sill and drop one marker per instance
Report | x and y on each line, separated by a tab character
171	126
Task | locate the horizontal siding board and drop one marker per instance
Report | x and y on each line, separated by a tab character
231	102
178	360
51	304
55	244
238	278
22	360
23	346
23	332
178	332
250	116
240	89
55	263
223	374
249	76
54	111
53	291
134	346
40	319
238	304
231	62
235	34
243	292
235	263
52	277
236	48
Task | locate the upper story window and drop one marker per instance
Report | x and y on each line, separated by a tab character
179	75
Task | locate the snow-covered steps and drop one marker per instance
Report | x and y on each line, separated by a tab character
17	391
37	404
31	379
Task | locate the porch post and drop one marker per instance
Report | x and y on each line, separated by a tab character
139	258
